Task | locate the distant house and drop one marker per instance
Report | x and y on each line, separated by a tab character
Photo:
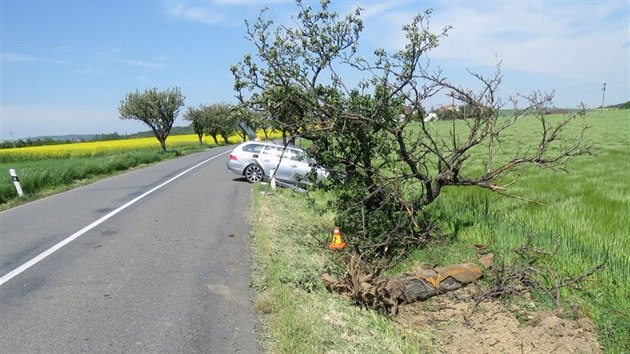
407	111
448	107
430	117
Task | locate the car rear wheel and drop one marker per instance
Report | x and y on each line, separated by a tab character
253	173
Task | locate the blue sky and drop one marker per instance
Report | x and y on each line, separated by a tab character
66	65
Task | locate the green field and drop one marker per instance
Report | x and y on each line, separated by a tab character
584	217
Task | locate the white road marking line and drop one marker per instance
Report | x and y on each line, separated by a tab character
77	234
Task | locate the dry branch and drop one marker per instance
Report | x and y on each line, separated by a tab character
530	271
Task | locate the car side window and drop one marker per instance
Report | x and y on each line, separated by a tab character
255	148
297	155
272	150
278	152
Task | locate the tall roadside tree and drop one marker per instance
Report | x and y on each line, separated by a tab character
196	118
213	121
217	119
220	121
156	109
260	121
387	166
287	107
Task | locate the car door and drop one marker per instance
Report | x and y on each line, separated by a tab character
293	167
287	163
269	159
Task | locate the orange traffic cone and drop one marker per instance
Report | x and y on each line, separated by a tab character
337	243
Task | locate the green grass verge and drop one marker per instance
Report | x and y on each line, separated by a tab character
44	177
299	314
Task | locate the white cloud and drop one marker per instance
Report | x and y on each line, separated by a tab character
108	54
258	3
371	10
90	72
566	40
202	14
227	13
144	63
62	49
116	55
16	57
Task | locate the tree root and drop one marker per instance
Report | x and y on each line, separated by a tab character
387	293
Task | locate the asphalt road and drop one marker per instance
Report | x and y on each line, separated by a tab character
167	273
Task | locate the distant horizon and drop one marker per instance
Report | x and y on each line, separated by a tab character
66	65
60	136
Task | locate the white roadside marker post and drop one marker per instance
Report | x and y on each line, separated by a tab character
273	179
16	182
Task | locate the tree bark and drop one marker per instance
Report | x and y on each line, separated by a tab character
389	292
163	145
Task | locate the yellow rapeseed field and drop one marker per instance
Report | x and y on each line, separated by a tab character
97	148
101	148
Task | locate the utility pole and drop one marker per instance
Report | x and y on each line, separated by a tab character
603	96
13	140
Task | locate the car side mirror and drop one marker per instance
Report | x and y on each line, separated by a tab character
255	156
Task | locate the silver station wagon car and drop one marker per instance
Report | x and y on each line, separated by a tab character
255	161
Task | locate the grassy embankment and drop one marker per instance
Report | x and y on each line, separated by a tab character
585	216
299	315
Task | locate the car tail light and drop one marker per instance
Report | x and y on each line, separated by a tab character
233	157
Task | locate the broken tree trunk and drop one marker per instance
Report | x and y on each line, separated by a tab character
389	292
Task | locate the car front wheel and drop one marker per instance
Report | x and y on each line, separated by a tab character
253	173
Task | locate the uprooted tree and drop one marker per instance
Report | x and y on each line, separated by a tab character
386	164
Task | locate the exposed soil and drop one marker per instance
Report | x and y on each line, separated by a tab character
494	328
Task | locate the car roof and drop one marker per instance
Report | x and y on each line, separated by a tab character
271	143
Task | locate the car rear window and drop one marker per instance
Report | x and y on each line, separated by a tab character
252	147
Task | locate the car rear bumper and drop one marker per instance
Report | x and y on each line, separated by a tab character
236	167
